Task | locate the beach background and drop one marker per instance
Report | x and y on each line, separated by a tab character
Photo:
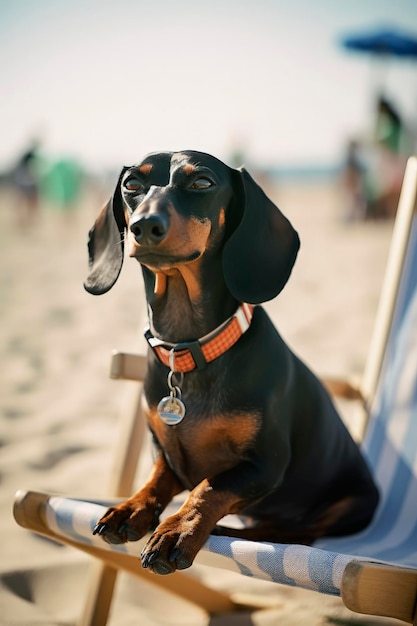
96	84
60	411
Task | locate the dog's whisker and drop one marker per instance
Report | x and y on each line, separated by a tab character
122	240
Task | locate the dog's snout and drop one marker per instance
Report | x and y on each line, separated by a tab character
149	229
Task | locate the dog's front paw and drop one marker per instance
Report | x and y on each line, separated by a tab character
173	545
128	521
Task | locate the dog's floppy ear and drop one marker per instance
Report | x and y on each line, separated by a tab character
106	245
259	255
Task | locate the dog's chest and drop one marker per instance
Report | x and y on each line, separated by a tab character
201	446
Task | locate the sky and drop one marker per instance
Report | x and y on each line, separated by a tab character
109	81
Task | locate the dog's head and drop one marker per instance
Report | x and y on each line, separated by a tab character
173	208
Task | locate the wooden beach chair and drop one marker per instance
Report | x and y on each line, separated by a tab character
375	571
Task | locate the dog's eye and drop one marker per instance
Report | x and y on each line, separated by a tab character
132	184
202	183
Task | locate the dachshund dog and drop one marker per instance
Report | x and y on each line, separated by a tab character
236	417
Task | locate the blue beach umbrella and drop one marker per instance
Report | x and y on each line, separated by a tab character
383	42
382	46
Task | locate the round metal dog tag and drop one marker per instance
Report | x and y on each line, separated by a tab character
171	410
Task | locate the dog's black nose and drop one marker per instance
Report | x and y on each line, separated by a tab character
149	229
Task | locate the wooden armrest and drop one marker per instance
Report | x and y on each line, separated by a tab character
128	366
341	388
29	512
377	589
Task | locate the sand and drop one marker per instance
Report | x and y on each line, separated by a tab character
60	411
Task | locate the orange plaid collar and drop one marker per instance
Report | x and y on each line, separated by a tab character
190	355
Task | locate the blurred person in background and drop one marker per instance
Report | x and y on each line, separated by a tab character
62	183
353	182
392	146
25	179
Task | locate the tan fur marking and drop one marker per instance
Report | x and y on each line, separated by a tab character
222	217
205	447
239	430
190	275
189	169
146	168
160	284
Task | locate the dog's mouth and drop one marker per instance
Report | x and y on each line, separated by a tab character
160	261
183	244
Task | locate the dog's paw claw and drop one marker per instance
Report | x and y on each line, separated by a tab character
159	566
100	528
174	555
148	558
131	535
